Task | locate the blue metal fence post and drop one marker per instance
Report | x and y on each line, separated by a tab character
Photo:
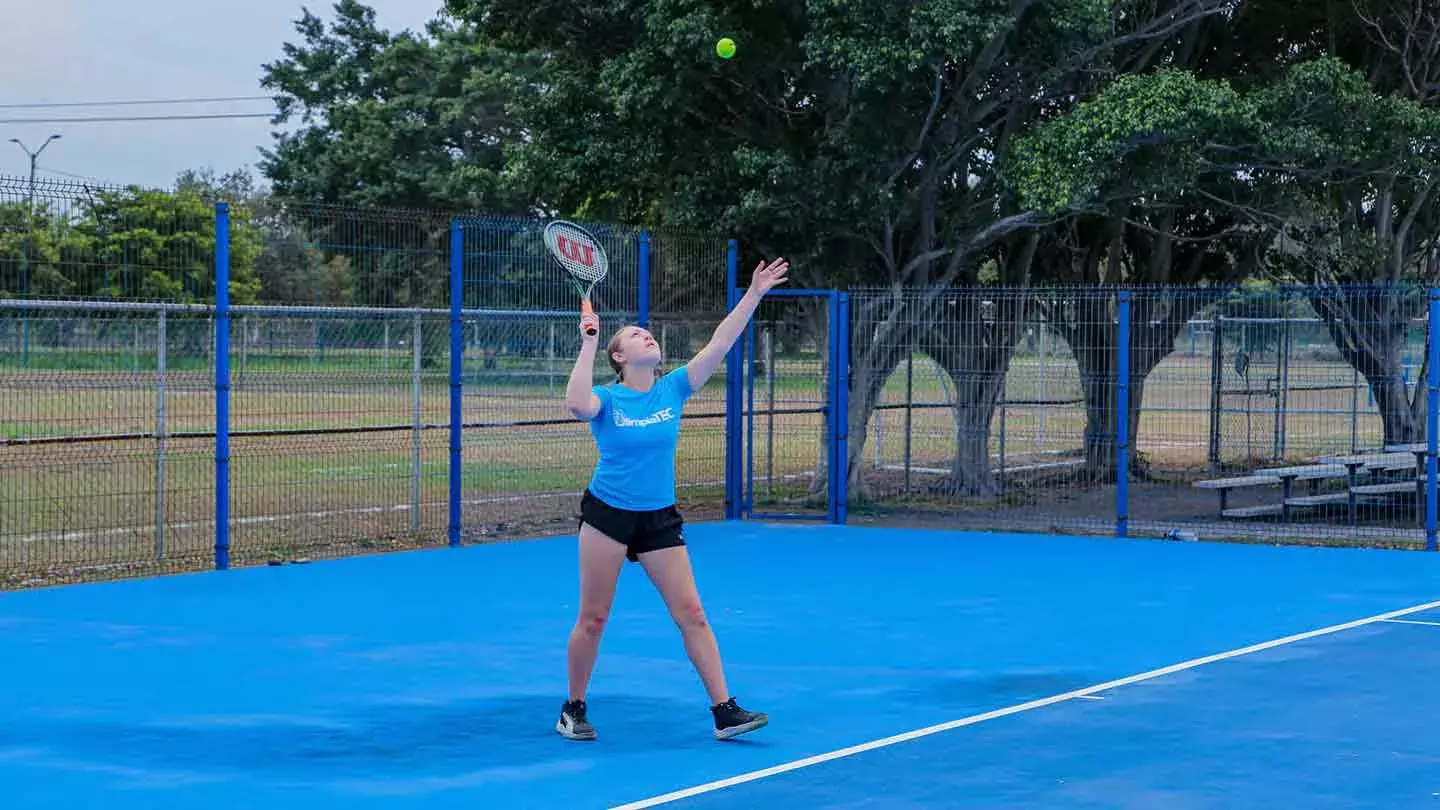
751	347
832	344
643	306
1432	420
222	386
733	382
1122	418
457	367
842	412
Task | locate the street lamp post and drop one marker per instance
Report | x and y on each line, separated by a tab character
34	160
25	254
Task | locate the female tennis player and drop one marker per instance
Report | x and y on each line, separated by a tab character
628	510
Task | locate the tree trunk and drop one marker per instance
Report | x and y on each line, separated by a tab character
869	371
1402	416
1369	326
975	403
1094	351
974	347
1156	319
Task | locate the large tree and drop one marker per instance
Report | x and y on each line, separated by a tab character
1131	172
414	120
1351	89
1363	226
1310	176
860	139
389	136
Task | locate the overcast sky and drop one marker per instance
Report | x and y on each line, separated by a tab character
105	50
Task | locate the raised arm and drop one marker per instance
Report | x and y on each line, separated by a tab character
709	358
580	397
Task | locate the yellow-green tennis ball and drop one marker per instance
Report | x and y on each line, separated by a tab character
725	48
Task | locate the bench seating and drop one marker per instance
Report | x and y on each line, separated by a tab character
1348	467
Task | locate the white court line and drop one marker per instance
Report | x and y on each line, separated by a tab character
1016	709
1410	621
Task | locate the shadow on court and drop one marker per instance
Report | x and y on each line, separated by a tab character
463	736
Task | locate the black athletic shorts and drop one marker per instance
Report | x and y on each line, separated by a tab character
642	531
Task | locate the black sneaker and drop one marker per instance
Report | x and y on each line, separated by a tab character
732	721
572	723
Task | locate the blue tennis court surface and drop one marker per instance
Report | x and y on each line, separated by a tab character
1068	672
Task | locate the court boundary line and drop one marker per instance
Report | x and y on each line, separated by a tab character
1403	621
907	736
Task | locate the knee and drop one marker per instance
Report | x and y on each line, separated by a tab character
592	621
691	616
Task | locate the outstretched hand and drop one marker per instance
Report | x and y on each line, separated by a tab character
709	358
766	277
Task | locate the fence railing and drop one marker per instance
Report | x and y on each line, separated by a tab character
220	428
403	386
1226	421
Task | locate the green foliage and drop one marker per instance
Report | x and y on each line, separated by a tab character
1315	155
872	141
835	135
32	250
1144	135
161	245
1329	123
1352	173
124	244
411	120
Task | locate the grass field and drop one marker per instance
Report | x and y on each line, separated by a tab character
100	502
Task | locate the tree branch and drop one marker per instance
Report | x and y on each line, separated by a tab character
937	86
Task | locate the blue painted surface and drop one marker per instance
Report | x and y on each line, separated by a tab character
1339	721
432	679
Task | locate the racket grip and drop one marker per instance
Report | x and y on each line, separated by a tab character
587	309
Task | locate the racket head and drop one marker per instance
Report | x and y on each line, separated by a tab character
577	251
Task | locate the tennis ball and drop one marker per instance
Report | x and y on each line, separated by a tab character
725	48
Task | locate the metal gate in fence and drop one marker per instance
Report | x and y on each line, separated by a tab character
786	408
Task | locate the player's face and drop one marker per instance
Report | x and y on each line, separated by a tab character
639	347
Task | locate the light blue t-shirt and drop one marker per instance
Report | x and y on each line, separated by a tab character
636	434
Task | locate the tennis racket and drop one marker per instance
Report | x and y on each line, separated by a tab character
579	253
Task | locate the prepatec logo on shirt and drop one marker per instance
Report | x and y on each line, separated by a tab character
662	415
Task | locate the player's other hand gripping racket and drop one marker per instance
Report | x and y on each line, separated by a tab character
579	253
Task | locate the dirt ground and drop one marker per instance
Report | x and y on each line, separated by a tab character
1156	509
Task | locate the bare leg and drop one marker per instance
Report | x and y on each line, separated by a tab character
600	561
669	569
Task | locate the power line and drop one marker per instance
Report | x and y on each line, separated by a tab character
131	102
71	175
100	119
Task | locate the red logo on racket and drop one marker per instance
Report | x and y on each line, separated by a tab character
575	251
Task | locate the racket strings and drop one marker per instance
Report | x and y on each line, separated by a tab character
577	253
582	272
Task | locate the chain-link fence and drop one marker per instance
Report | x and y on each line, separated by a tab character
344	399
525	460
105	461
1256	413
983	404
147	426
